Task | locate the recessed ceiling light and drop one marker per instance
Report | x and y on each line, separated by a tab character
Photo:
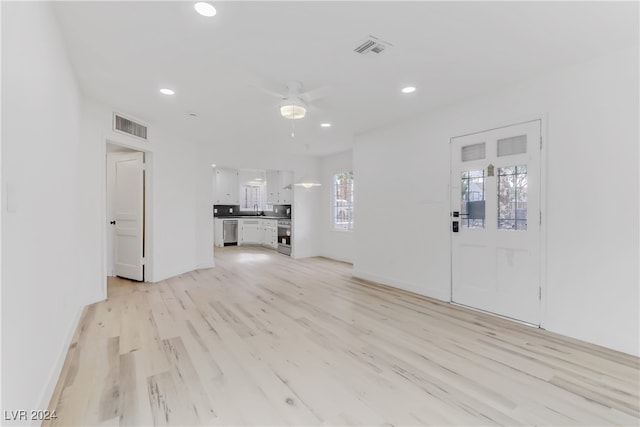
205	9
213	165
408	89
325	125
167	91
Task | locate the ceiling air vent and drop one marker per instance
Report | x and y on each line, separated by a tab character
372	44
128	126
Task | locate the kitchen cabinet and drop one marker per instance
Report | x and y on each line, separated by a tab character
263	233
227	187
270	233
273	238
279	187
217	233
286	187
249	232
273	180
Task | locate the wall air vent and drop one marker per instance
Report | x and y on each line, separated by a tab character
372	44
129	127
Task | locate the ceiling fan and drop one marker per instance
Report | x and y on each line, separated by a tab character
294	103
293	106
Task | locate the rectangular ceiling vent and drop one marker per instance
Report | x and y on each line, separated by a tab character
129	127
372	44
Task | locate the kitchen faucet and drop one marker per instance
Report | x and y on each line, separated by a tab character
255	208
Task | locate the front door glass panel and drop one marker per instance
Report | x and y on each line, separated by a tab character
512	198
473	199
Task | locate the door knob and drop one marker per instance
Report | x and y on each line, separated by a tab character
112	223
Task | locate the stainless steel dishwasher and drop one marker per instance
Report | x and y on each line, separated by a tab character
230	232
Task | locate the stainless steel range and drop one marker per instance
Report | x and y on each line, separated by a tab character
284	236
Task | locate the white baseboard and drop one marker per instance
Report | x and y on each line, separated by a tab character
337	258
54	376
205	265
407	286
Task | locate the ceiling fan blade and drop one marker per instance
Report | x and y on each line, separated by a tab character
315	94
267	91
319	106
268	86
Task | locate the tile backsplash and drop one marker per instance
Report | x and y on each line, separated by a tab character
283	211
226	210
280	211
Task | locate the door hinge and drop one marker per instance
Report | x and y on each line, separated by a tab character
540	217
144	260
540	294
541	142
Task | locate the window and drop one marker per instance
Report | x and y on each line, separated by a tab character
343	201
251	197
473	152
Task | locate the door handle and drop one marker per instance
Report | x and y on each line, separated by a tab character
112	223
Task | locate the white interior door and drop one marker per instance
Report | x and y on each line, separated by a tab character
128	211
495	204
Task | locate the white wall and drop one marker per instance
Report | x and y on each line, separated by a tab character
175	208
53	245
51	263
175	198
591	111
224	153
334	244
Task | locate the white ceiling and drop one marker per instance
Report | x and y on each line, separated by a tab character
124	52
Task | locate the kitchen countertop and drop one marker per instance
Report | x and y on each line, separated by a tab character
250	217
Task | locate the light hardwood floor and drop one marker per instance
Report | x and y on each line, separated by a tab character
266	340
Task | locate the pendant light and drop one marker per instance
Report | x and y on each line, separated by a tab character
307	183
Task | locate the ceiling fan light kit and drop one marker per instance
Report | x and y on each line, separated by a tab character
293	108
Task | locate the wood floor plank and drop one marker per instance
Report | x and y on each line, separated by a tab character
263	339
188	379
110	395
134	408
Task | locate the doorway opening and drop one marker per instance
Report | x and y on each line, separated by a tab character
128	224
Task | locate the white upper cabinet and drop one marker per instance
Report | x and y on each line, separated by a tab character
227	183
279	187
272	187
227	187
286	187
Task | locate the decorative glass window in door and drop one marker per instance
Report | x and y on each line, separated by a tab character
512	198
473	209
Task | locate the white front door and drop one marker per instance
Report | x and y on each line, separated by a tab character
128	203
495	234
